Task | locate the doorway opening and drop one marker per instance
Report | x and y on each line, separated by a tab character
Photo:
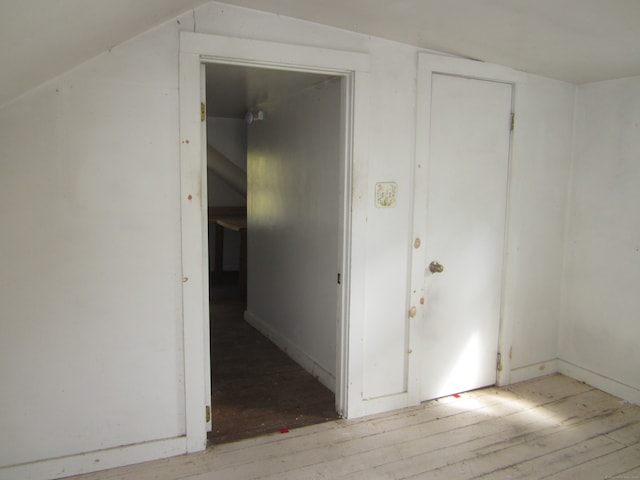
276	199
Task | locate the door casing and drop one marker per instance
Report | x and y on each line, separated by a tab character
353	68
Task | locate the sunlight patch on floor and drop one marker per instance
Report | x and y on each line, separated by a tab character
501	404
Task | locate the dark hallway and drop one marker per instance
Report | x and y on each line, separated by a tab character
256	388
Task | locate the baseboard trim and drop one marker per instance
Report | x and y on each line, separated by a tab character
528	372
386	403
294	351
606	384
95	461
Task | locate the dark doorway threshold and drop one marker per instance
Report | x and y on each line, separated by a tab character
256	388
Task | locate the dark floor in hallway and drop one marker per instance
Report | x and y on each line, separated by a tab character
256	388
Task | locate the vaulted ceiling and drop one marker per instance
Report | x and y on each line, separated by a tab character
578	41
40	39
574	40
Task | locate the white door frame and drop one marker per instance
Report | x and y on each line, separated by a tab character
428	64
353	67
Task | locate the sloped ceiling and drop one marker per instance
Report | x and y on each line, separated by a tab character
574	40
578	41
40	39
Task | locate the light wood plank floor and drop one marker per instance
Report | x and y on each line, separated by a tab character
553	427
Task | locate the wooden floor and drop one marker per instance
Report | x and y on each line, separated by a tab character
256	388
553	427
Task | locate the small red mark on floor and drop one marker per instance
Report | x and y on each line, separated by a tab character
284	430
455	395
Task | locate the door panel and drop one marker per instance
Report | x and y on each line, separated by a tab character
467	189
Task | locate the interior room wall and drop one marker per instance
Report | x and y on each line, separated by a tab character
229	137
599	330
91	351
91	308
293	217
539	172
391	139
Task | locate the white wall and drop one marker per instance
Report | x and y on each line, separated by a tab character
392	90
229	137
90	296
293	217
389	231
600	329
540	169
91	328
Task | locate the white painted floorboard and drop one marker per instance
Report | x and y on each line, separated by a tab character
553	427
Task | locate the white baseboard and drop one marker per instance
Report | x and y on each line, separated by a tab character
95	461
387	403
534	370
606	384
294	351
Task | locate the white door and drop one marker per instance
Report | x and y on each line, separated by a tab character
469	144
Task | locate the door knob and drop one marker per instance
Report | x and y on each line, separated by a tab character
435	267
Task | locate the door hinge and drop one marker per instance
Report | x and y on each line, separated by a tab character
207	413
513	121
203	112
499	365
339	279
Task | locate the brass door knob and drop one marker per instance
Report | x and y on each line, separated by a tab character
435	267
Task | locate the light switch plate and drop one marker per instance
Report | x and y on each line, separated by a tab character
386	194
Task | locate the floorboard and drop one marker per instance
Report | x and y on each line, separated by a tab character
256	388
553	427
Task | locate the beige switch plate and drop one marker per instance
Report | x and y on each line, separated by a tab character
386	194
